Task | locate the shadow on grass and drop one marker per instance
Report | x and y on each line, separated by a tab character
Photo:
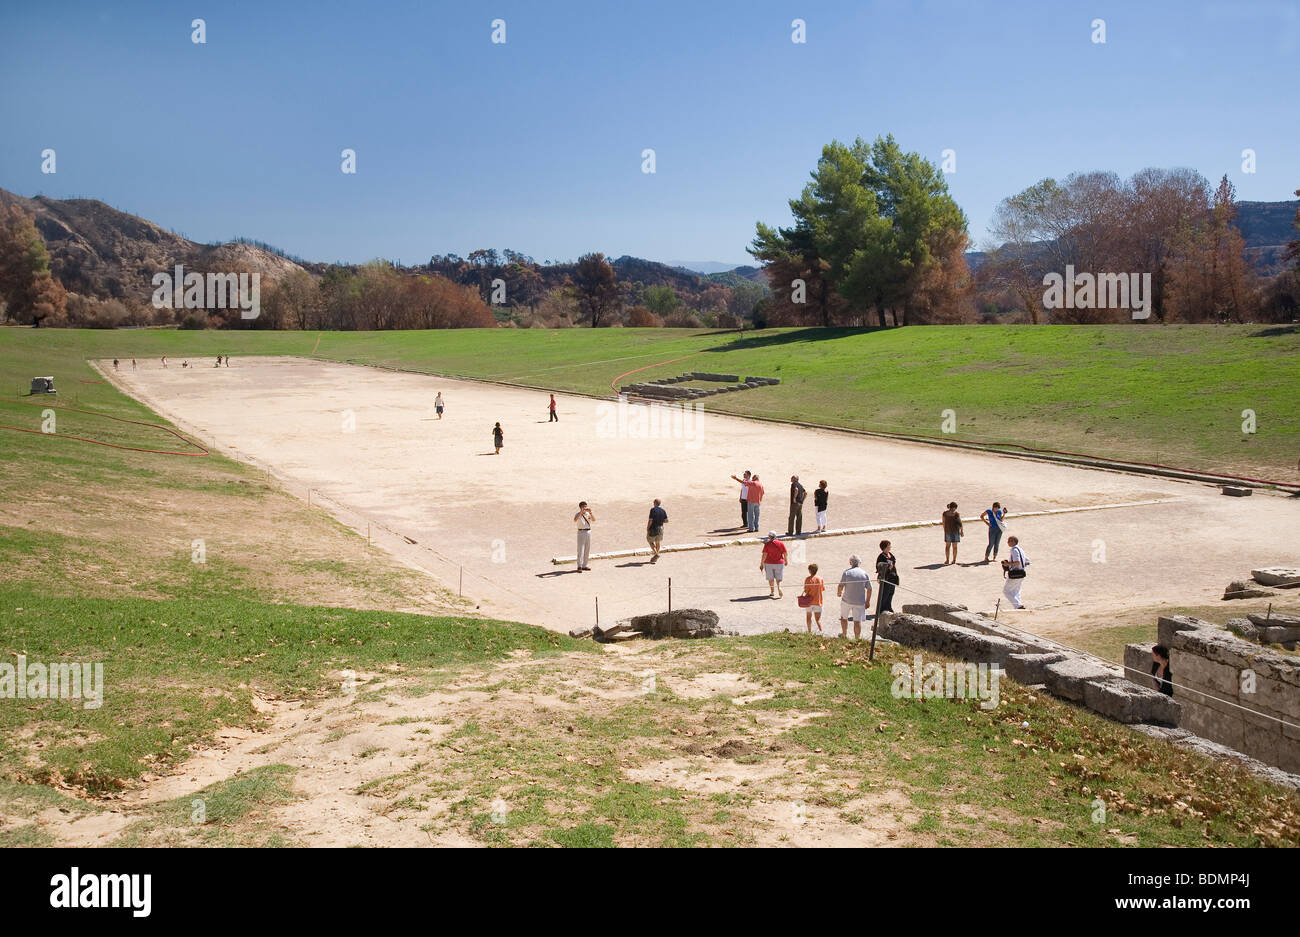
1276	331
773	338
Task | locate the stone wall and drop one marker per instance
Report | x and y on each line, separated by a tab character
1029	659
1230	690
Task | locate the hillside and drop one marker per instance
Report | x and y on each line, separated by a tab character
99	251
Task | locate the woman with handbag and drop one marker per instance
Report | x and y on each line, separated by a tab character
1014	569
814	587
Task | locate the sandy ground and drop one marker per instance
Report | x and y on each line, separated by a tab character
367	444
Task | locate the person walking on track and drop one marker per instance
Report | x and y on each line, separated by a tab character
1014	568
553	418
583	519
794	523
773	564
438	404
755	503
887	575
952	532
814	588
654	530
855	595
498	438
744	499
993	520
820	498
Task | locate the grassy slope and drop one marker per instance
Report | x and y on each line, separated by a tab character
1171	394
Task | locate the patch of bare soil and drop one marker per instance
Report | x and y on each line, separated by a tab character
393	764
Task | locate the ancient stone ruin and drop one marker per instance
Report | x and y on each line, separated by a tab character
679	623
665	389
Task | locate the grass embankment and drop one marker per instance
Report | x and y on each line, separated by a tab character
1173	394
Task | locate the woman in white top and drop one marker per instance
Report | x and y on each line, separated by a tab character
1013	568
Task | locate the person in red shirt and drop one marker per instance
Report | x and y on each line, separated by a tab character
551	409
773	564
754	499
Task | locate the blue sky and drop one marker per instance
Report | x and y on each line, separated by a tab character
536	144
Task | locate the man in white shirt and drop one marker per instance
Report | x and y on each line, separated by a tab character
855	595
744	499
1013	567
583	519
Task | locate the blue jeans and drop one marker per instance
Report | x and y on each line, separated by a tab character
995	539
753	515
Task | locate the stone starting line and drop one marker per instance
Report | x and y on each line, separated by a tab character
842	532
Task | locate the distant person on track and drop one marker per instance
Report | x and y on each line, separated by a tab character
132	364
744	499
855	595
1163	677
755	503
773	564
227	360
583	519
218	364
820	498
993	520
553	417
498	438
1014	569
794	523
654	530
814	590
164	361
952	531
887	574
439	405
114	364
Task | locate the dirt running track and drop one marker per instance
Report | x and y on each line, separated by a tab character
368	445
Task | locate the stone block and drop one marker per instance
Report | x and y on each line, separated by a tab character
1066	678
1275	575
1168	626
1137	663
1241	589
1030	669
1226	729
1196	672
1127	702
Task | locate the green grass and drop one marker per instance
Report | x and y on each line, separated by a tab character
176	670
1173	394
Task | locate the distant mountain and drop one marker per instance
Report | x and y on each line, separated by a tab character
701	266
98	251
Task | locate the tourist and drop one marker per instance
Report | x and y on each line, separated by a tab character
773	564
755	503
114	364
218	364
439	405
498	438
1014	569
553	418
887	574
744	499
132	364
654	530
993	520
820	497
164	361
794	523
855	594
952	531
814	588
1163	676
583	519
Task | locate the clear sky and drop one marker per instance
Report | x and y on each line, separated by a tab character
535	144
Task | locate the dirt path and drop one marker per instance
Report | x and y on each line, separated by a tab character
368	445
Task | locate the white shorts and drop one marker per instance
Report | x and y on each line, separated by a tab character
815	609
853	612
774	571
821	518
